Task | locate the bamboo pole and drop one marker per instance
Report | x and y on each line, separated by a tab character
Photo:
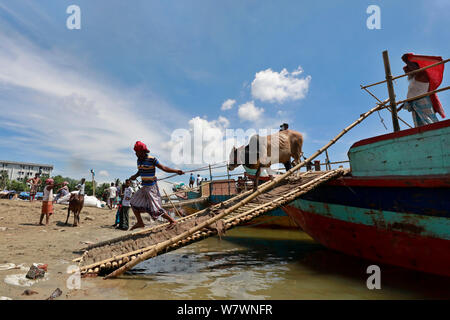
328	165
423	95
228	174
390	86
264	187
176	210
407	74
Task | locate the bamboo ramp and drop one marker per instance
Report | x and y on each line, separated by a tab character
108	256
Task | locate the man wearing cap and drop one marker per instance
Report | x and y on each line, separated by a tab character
47	201
148	199
284	126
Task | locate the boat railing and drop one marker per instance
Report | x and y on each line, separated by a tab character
392	106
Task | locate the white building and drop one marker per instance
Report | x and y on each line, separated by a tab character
22	171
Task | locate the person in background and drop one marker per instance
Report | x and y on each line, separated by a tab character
35	183
63	191
125	205
119	206
47	201
199	180
191	181
81	186
148	199
112	196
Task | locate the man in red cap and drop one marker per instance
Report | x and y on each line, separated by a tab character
424	109
148	199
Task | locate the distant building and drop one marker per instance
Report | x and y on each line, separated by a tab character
22	171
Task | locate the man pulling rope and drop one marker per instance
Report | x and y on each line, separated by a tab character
148	199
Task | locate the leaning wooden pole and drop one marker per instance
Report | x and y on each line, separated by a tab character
175	208
262	188
390	86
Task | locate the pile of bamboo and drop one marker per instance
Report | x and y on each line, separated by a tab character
272	199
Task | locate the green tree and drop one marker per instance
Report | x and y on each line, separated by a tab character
4	179
100	189
88	188
18	186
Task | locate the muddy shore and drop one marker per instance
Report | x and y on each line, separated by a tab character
24	242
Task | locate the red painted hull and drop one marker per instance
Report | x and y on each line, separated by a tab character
425	254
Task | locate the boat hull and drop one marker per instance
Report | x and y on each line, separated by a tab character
395	206
404	248
403	221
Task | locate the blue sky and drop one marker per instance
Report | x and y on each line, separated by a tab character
79	99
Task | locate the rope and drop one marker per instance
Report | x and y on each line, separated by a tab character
196	170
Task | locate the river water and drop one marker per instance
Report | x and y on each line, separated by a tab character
252	263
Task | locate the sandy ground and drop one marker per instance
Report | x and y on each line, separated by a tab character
23	241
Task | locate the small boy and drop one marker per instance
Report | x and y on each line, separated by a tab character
112	196
125	207
119	206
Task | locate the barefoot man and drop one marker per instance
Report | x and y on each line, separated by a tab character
35	183
148	199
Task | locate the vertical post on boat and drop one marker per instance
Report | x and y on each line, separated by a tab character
390	86
317	165
210	180
228	174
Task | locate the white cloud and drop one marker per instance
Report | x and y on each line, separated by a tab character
249	112
202	142
228	104
272	86
224	122
57	107
103	173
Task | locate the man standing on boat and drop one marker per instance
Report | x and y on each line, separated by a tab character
284	127
148	199
424	109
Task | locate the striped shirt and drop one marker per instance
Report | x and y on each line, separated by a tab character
146	170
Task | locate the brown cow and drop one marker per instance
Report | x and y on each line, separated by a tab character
262	152
76	203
